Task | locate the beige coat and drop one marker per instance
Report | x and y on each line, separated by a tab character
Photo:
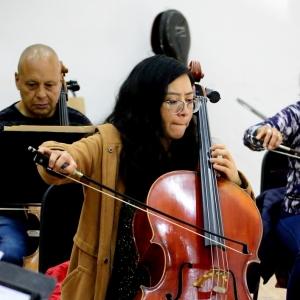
94	243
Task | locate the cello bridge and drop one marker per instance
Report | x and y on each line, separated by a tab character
220	275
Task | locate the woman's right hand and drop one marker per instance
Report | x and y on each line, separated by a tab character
59	161
271	136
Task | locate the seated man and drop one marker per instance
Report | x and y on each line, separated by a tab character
39	80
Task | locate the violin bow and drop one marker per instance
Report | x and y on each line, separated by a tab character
43	160
252	109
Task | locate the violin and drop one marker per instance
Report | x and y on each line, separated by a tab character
183	264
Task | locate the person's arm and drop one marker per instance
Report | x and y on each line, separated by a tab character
269	137
281	128
224	164
250	134
246	186
83	156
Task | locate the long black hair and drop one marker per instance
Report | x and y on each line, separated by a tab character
137	116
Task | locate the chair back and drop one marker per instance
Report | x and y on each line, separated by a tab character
77	103
274	170
60	212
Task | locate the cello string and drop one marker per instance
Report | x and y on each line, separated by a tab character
204	132
209	191
145	210
205	180
64	119
215	198
222	263
63	98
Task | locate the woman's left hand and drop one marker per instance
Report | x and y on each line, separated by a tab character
223	162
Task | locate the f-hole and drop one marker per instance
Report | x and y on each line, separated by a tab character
169	296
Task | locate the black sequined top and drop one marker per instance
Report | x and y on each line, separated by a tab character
126	277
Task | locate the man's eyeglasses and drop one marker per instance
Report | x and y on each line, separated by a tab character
176	106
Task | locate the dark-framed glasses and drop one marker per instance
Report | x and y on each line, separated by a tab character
176	106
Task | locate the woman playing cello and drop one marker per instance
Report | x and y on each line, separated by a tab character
150	132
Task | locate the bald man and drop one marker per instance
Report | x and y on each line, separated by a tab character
39	80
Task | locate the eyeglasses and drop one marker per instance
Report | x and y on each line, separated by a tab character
176	106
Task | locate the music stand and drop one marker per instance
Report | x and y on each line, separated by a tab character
21	284
19	176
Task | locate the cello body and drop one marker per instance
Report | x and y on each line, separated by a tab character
208	261
178	259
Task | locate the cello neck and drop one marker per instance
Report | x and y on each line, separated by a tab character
209	187
63	98
63	108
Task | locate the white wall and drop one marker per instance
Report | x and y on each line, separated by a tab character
248	49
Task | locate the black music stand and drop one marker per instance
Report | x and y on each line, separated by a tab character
22	284
21	183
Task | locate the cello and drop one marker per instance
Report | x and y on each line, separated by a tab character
31	261
193	269
185	263
63	98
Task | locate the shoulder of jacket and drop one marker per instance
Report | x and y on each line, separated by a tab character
109	133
